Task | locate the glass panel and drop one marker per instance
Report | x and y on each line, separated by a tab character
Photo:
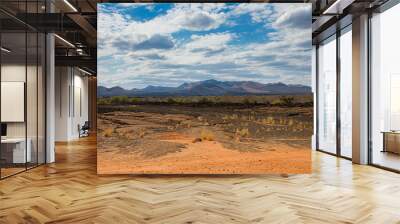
385	84
23	90
327	96
346	93
31	99
13	87
32	89
41	99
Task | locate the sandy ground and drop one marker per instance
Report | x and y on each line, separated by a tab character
173	142
209	157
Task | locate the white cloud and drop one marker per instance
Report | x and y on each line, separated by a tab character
299	18
116	27
259	12
162	58
215	41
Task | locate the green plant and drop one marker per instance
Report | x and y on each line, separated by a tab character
287	101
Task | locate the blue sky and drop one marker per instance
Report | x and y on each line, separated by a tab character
164	44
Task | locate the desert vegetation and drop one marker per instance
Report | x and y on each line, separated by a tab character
205	134
271	100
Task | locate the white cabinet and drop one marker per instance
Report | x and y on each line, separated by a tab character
19	155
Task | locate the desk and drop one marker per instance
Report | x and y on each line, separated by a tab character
391	141
19	155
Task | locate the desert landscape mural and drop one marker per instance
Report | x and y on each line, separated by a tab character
203	98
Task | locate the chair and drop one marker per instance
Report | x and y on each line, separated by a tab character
84	130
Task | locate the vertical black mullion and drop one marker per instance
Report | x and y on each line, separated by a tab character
45	94
73	92
37	89
317	96
369	100
338	77
45	90
26	86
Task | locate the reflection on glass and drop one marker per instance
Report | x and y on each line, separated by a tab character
13	85
22	91
385	84
31	100
41	99
327	96
346	93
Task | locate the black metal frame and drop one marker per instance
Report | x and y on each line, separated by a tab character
44	80
338	98
338	152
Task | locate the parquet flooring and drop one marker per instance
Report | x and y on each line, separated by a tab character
69	191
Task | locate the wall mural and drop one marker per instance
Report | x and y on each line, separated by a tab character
204	88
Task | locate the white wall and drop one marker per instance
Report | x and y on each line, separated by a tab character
71	94
61	103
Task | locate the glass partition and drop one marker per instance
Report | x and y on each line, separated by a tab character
41	97
327	95
22	77
31	97
346	93
13	114
385	89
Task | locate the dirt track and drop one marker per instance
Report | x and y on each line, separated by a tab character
204	141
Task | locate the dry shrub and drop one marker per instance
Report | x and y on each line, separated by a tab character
269	120
207	135
234	116
108	132
242	132
290	123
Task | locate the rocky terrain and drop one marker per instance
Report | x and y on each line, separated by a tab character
179	139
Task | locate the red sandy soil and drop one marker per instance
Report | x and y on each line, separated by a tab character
209	157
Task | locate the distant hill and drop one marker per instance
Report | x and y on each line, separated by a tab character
209	88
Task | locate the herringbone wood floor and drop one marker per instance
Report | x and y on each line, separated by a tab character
69	191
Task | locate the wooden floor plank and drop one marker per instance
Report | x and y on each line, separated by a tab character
70	191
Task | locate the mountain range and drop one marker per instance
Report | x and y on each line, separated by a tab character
209	87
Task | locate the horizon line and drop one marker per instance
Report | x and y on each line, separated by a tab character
203	81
